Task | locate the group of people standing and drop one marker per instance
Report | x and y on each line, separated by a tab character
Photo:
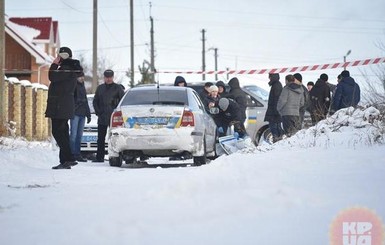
287	105
67	100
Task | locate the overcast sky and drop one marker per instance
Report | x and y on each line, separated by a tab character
248	34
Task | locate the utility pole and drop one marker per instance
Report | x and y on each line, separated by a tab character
132	41
203	55
347	54
2	63
95	48
216	63
152	65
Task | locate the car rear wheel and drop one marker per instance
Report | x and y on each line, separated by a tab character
201	159
116	161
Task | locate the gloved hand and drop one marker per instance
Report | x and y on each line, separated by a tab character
220	130
88	119
236	135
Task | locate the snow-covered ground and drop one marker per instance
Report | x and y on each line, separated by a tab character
286	193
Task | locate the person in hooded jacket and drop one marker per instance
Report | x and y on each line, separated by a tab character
320	99
221	88
63	74
347	92
272	115
107	97
289	102
82	111
237	94
180	81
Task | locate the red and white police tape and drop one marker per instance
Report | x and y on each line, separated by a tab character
287	69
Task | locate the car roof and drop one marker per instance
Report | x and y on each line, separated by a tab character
162	87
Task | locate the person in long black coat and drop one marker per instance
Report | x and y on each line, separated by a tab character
320	99
272	115
63	74
107	97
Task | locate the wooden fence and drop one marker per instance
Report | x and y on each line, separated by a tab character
24	112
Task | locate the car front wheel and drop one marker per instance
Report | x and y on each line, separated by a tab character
116	161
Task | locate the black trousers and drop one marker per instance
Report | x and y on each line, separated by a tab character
291	124
102	131
60	131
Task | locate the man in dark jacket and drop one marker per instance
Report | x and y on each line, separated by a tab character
272	115
347	92
63	74
82	111
320	99
107	97
237	94
230	114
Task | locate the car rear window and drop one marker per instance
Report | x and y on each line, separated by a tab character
155	97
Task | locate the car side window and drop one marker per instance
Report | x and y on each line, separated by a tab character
251	102
198	101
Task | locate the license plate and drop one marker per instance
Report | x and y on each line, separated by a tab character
89	138
152	120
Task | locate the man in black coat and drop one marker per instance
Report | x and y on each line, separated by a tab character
107	97
237	94
272	115
320	99
63	74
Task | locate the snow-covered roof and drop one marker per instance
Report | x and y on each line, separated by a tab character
24	36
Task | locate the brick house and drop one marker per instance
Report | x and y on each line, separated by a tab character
30	47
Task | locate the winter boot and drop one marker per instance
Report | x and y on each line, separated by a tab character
64	165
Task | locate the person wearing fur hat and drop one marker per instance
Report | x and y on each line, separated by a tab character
320	99
63	74
347	93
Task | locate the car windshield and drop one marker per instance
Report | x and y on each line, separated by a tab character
257	91
155	97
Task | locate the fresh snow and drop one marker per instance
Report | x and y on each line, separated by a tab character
286	193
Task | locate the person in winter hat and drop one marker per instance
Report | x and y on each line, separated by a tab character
107	97
180	81
222	88
306	97
230	114
237	94
347	93
63	74
320	99
289	102
272	115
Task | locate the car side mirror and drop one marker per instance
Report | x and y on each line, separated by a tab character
214	110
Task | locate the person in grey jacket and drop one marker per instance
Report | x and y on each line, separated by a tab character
289	102
107	97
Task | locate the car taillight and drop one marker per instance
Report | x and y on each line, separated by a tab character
117	119
187	119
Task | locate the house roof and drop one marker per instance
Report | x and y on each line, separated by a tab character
43	24
24	36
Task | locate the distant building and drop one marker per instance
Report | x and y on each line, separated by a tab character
30	47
